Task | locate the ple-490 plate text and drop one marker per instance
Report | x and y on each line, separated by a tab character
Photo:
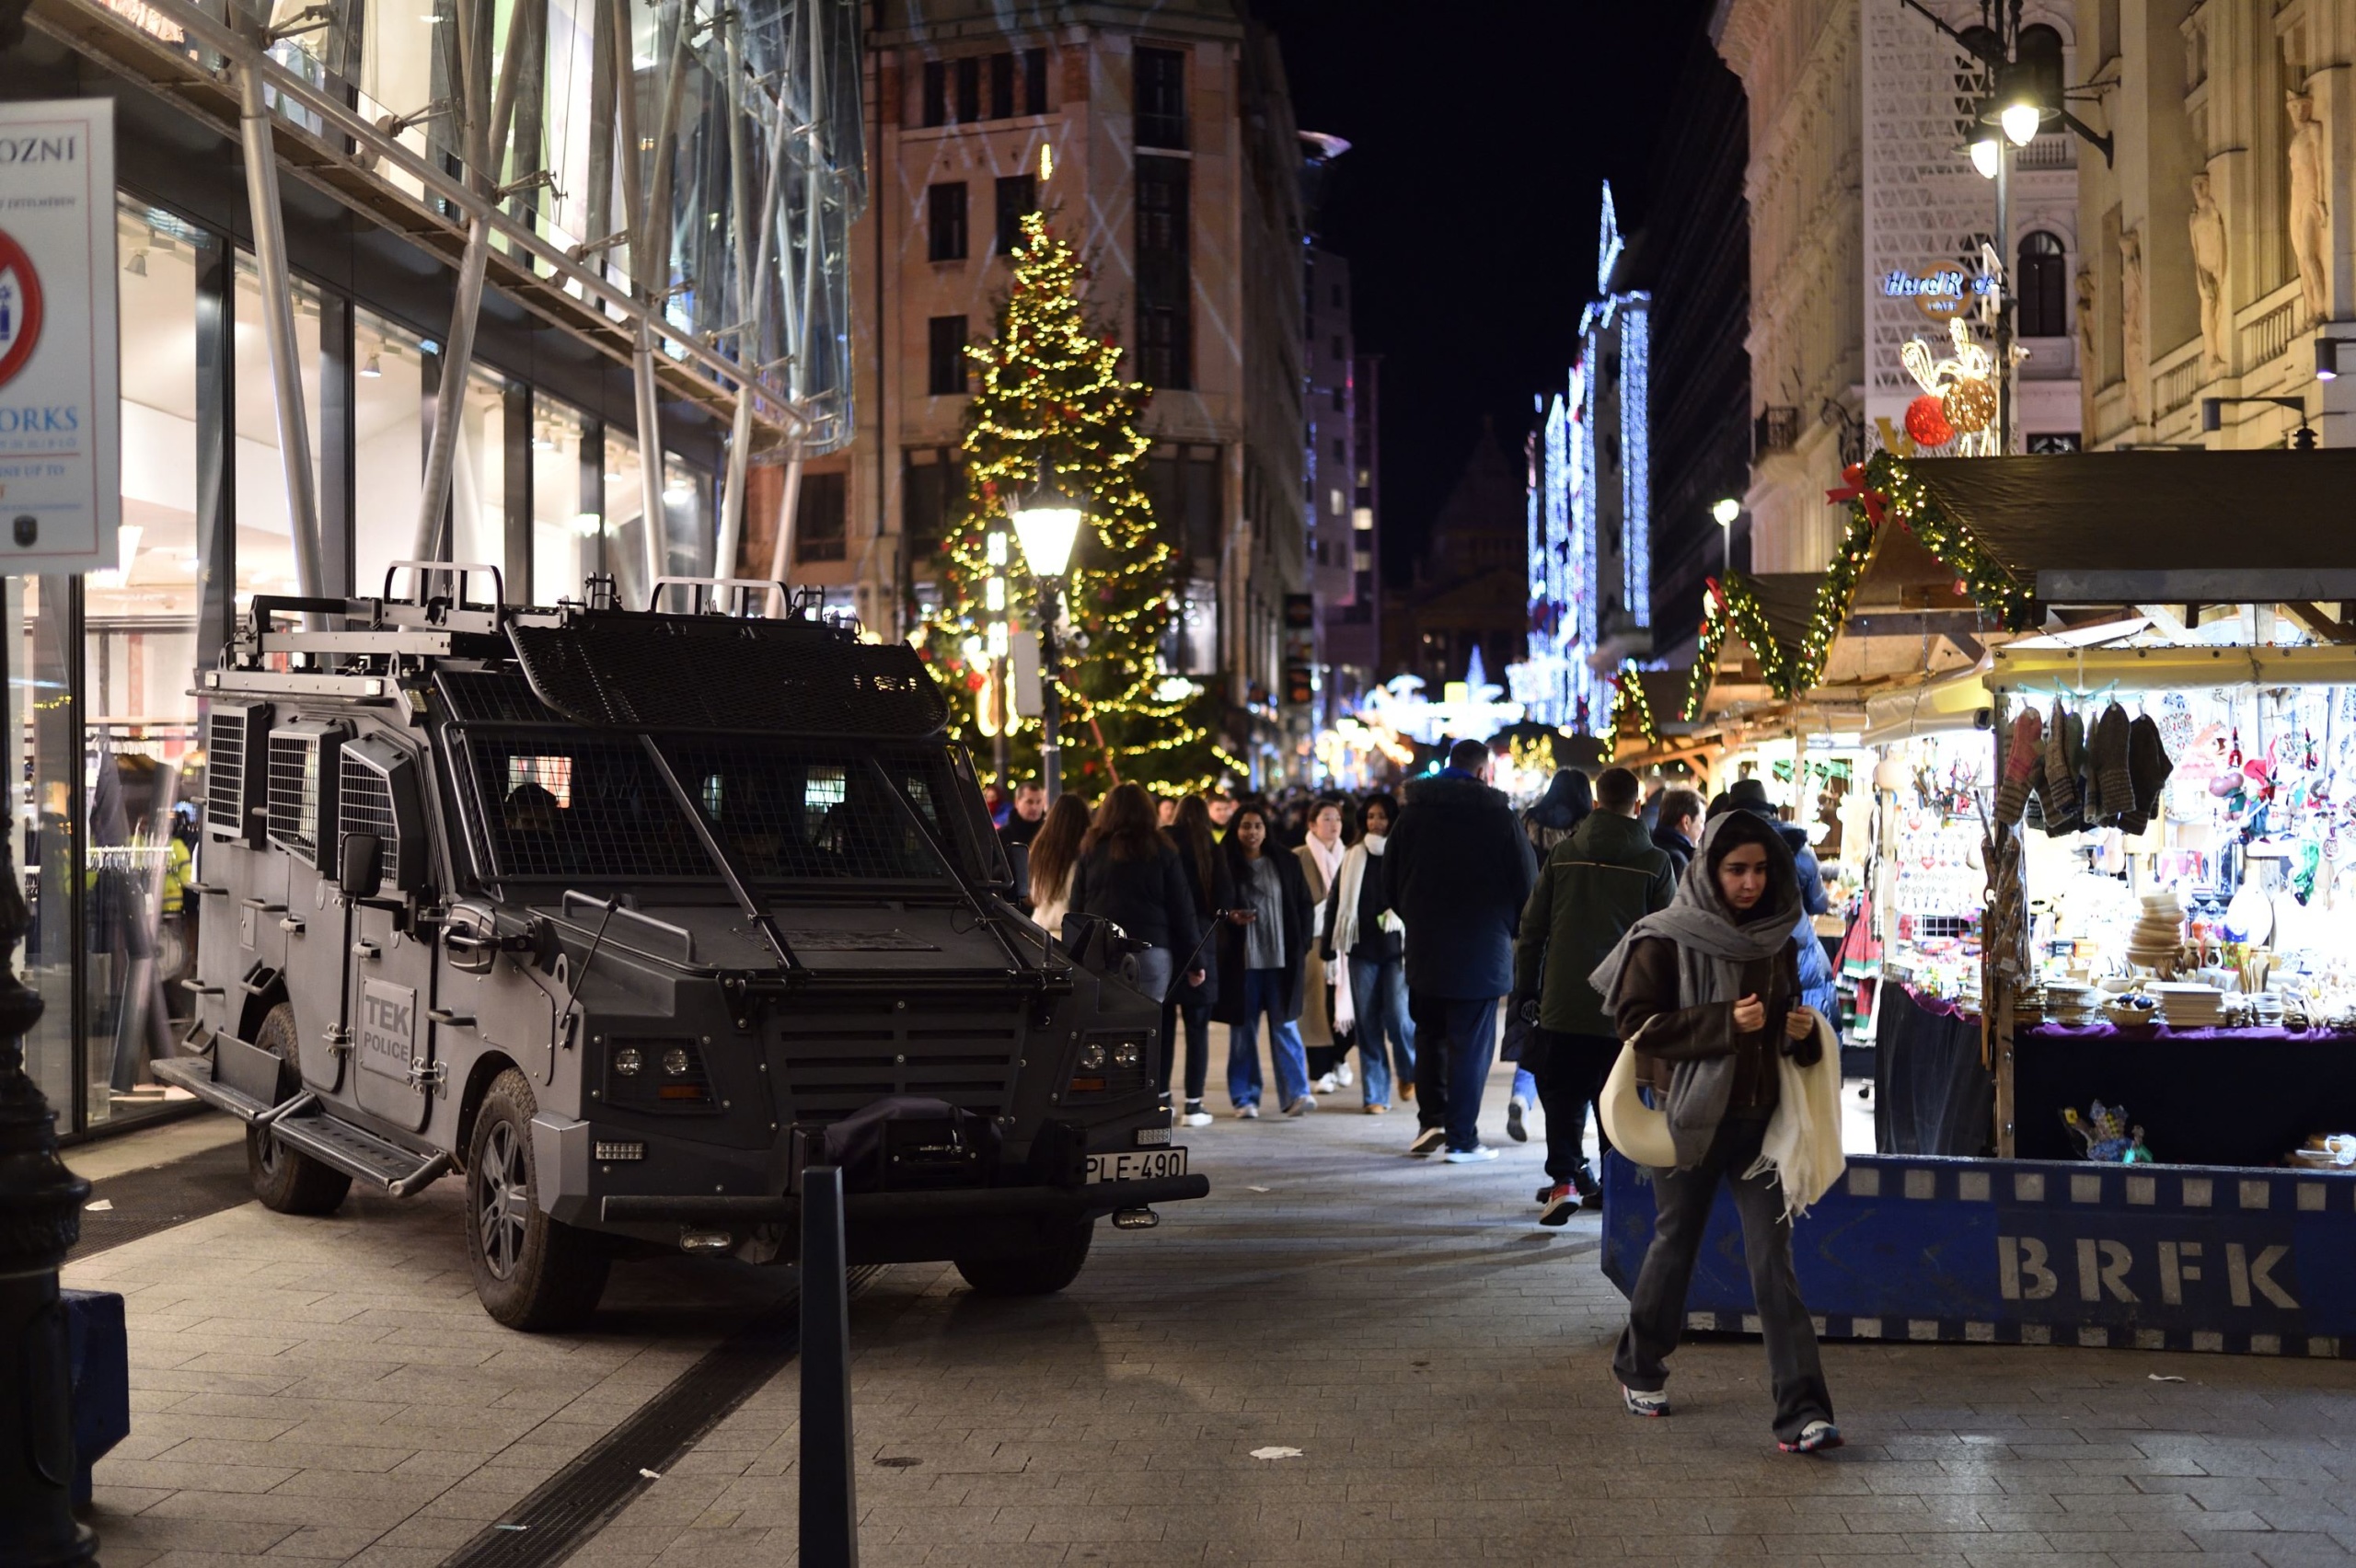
1141	1165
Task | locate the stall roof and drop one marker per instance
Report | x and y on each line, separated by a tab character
2136	527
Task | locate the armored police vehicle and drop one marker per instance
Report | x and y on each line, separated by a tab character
625	917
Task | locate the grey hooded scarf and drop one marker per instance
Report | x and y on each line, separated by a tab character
1712	948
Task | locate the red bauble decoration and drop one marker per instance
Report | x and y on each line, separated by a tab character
973	681
1927	422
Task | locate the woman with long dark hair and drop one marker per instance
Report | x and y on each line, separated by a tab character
1055	855
1129	874
1364	941
1191	1001
1707	992
1263	948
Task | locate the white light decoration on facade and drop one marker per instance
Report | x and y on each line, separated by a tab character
1636	461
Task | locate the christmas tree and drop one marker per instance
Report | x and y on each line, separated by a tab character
1051	393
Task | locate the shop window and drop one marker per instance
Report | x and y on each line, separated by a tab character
819	517
389	414
566	521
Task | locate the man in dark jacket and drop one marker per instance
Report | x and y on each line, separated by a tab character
1457	871
1597	884
1680	827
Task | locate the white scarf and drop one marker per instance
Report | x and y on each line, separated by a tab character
1345	924
1327	855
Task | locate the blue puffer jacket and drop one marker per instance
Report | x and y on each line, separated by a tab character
1816	970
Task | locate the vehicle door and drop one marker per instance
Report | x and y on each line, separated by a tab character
389	970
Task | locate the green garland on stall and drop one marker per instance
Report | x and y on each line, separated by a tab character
1992	586
1629	700
1831	605
1712	636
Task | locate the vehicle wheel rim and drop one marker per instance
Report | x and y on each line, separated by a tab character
502	1201
266	1146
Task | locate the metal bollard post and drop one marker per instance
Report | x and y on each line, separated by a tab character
41	1218
830	1500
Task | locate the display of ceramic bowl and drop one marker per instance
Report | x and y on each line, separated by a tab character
2135	1011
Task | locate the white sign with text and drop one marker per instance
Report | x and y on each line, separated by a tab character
60	453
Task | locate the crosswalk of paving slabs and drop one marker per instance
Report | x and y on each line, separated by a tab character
1440	1363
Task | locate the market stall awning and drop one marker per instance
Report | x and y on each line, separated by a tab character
1749	646
2165	528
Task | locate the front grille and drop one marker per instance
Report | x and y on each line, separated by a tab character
966	1051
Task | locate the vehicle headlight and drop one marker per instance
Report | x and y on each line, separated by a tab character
674	1062
1126	1053
1091	1057
627	1060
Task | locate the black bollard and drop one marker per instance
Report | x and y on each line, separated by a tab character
41	1218
829	1497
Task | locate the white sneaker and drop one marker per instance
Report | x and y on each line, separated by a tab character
1247	1112
1195	1118
1326	1085
1472	1156
1300	1107
1343	1076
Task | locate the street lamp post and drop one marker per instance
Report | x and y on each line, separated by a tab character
1046	521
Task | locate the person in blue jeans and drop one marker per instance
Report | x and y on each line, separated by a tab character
1457	870
1263	946
1360	929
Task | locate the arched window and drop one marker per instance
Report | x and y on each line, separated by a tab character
2043	287
2039	49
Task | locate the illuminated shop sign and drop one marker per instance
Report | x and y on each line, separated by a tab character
1939	293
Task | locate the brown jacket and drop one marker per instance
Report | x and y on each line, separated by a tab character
1665	1033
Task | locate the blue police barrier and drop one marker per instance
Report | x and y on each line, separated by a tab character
97	1352
2149	1257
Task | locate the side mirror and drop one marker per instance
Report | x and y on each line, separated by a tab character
358	872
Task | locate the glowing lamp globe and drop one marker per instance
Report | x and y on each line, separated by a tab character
1047	522
1987	154
2021	121
1927	422
1726	510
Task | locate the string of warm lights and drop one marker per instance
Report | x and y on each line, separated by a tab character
1051	388
1631	701
1991	587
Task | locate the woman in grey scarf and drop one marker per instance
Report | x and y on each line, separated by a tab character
1707	992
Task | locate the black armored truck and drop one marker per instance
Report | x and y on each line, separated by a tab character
625	917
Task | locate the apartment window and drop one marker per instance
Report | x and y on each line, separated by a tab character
929	483
2044	286
1182	486
946	356
936	92
819	515
1035	81
1341	349
1341	398
945	221
1001	86
969	89
1165	292
1161	97
1018	196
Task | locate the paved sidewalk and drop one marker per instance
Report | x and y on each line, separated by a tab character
329	1389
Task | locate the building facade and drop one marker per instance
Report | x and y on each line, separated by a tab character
1329	468
1871	230
1468	596
1160	140
586	413
2222	233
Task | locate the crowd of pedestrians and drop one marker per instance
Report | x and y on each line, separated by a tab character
1420	932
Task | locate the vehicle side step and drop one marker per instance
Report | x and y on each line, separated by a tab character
195	1074
359	1154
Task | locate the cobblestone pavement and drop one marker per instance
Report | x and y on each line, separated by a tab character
327	1390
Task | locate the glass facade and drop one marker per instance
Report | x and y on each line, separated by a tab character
103	725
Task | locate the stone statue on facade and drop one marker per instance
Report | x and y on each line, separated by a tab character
2086	319
2133	360
2208	225
2310	219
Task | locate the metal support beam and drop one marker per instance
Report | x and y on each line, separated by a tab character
278	331
450	402
753	310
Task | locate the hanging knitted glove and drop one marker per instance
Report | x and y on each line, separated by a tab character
2061	773
2020	759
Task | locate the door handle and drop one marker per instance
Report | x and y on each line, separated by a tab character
366	951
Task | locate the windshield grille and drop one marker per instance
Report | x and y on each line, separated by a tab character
587	807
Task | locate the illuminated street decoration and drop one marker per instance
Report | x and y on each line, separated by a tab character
1468	709
1590	510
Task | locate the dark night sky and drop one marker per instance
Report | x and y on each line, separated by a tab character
1467	203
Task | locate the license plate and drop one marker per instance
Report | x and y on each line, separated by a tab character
1140	1165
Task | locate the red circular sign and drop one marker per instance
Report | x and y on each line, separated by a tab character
24	330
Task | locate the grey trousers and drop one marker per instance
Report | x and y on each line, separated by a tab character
1656	1307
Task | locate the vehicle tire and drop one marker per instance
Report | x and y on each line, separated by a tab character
530	1272
1042	1273
284	1179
